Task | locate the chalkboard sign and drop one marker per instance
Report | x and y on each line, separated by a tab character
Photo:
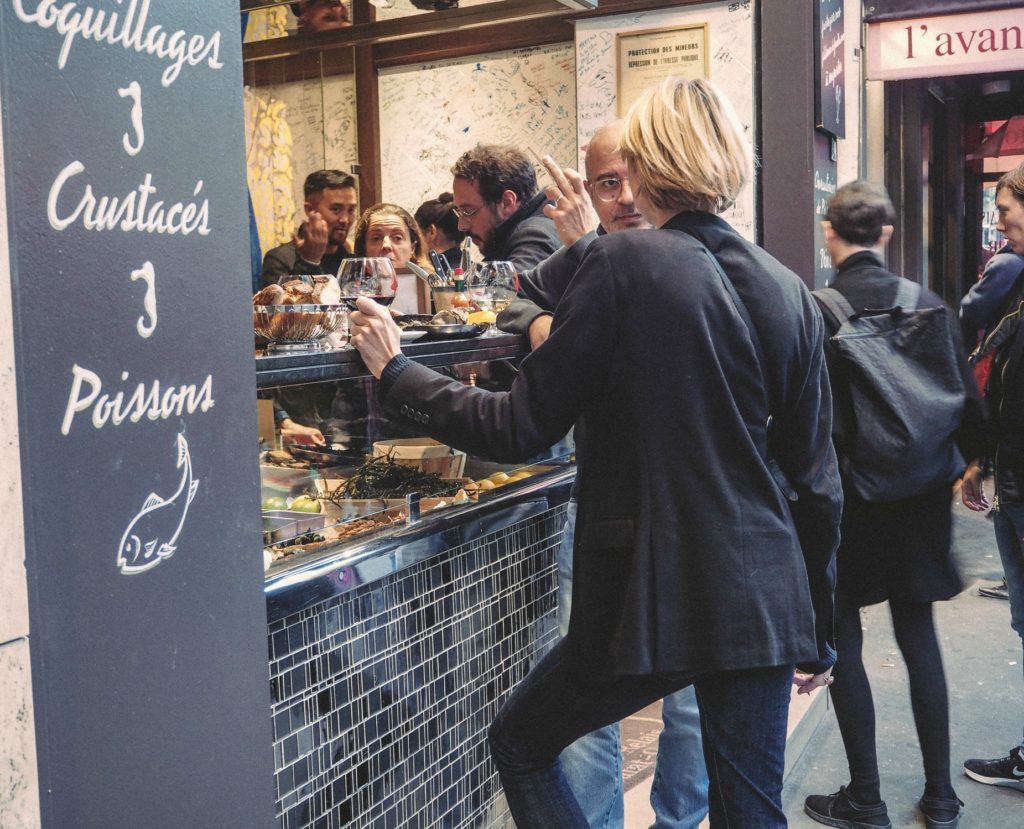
830	106
122	134
825	183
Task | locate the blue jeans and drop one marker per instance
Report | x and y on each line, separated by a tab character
743	721
593	764
679	793
1009	527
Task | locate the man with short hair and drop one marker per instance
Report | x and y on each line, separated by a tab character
500	208
320	244
593	764
577	224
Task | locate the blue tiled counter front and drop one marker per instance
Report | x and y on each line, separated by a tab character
389	661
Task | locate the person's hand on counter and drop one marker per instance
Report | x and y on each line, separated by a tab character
375	335
292	432
572	212
312	244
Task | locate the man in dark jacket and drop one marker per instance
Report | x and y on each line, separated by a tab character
1006	451
320	244
500	208
984	305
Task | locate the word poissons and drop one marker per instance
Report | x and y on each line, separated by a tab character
151	400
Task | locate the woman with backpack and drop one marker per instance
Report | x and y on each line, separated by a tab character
897	501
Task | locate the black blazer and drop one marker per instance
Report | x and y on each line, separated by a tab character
688	557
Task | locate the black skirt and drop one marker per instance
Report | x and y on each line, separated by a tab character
898	550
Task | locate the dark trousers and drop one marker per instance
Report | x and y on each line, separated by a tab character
855	711
743	722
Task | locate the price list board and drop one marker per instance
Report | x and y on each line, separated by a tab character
126	210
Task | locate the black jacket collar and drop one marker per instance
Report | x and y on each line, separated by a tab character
698	223
501	233
860	259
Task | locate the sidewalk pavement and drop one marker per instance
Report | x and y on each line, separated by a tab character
983	663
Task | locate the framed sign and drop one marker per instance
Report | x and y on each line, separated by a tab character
647	57
829	105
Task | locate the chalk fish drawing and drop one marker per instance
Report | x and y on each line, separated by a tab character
153	532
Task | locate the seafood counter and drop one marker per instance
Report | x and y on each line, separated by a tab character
409	587
363	481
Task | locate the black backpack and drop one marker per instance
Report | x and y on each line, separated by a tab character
902	367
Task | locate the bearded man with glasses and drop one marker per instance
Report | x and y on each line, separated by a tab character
500	207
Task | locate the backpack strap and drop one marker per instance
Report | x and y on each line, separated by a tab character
907	295
838	305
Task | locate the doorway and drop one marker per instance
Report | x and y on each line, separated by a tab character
948	142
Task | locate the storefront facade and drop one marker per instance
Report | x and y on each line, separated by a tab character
134	653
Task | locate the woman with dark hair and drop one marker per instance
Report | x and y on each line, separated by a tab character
440	225
388	230
895	543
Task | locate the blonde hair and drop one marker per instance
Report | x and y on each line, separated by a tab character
686	146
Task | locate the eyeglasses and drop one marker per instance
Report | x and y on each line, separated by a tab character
466	212
609	187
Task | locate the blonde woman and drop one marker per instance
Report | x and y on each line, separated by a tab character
701	557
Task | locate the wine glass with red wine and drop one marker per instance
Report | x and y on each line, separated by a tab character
372	277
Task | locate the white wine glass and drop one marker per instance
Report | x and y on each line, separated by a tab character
493	285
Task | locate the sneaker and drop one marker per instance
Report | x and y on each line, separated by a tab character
995	591
841	810
941	812
1005	771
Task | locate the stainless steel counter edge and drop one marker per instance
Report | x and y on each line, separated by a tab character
307	583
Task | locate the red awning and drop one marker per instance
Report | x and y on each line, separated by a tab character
1007	140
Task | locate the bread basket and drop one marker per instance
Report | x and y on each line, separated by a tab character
297	325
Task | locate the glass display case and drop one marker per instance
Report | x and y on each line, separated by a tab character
372	476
